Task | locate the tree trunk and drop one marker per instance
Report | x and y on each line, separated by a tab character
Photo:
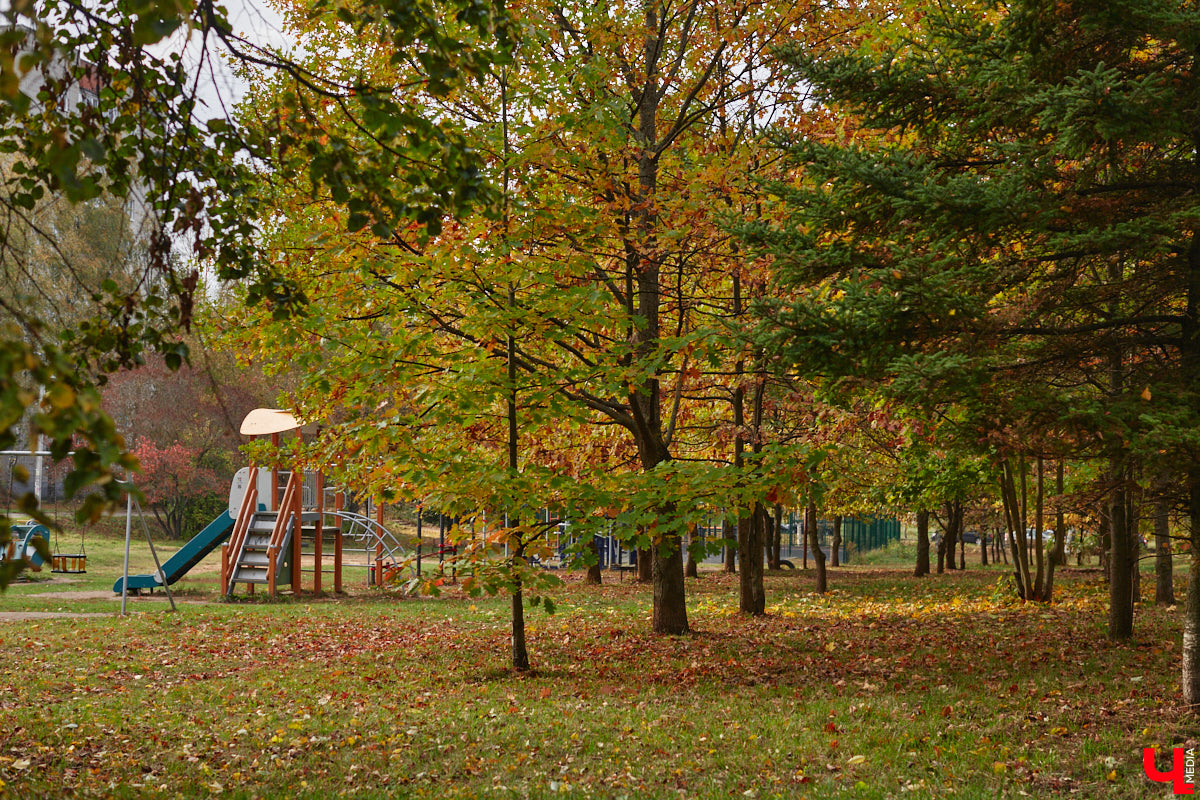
595	575
941	554
949	538
750	588
520	655
1105	536
1058	554
644	276
1191	616
1012	523
922	544
670	606
835	546
1039	523
1023	534
729	534
1164	584
1021	553
1120	583
645	565
1191	368
1134	503
1135	566
690	568
815	542
751	595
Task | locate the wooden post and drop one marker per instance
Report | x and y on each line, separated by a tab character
297	531
274	475
320	533
224	569
338	501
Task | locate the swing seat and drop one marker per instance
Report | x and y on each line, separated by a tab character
69	563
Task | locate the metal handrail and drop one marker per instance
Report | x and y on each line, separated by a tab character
364	529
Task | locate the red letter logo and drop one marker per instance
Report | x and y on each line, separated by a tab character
1178	775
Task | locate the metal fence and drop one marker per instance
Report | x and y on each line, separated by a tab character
860	534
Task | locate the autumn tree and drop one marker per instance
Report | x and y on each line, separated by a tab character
100	109
596	277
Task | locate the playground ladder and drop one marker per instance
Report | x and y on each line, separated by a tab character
251	562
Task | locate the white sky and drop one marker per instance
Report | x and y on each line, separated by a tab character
256	20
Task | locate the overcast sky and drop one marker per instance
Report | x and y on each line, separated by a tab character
257	21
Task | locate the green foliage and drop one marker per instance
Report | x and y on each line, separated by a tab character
70	419
1013	211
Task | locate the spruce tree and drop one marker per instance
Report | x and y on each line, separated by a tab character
1014	229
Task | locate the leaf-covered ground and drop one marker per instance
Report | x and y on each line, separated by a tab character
889	686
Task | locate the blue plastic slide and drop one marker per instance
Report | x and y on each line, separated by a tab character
186	557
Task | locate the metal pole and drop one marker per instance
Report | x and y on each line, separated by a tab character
38	458
153	552
128	530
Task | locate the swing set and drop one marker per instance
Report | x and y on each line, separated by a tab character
21	544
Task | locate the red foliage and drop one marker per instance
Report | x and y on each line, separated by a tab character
184	423
173	472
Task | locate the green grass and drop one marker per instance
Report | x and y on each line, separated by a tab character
889	685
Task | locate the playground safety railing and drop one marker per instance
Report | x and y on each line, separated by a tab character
288	519
376	540
231	552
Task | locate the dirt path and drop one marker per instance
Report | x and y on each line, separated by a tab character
25	616
92	594
100	594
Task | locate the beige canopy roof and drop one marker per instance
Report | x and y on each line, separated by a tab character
262	421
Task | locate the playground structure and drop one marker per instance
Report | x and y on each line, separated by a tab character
21	545
276	520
